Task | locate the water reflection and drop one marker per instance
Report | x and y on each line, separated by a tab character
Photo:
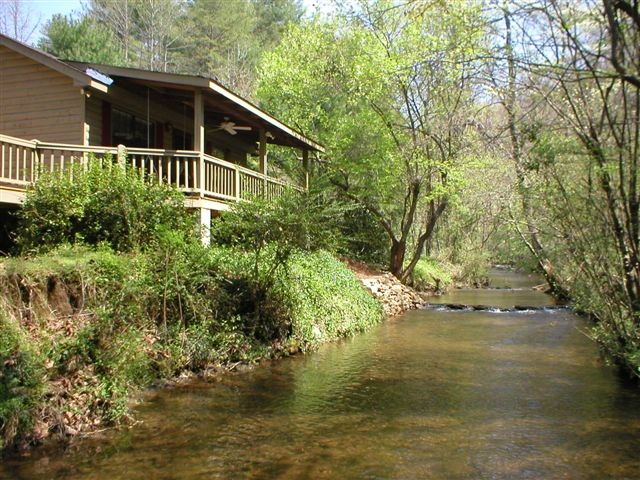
434	394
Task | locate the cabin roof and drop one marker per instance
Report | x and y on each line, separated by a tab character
80	78
216	96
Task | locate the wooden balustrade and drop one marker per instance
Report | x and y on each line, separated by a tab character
21	161
18	160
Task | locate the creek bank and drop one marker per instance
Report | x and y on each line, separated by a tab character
83	333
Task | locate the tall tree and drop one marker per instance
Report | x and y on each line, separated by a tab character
158	31
148	31
81	40
586	71
387	89
226	39
273	18
511	83
119	16
221	42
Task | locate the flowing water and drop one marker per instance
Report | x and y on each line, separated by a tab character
433	394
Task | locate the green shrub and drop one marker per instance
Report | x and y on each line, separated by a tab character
263	236
327	300
21	381
104	203
431	275
364	237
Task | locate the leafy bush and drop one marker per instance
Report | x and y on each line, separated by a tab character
473	268
263	236
430	275
21	381
365	239
105	203
327	300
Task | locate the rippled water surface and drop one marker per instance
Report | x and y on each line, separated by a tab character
432	394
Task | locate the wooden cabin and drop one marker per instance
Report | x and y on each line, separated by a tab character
188	131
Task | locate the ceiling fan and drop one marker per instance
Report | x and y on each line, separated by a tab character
231	127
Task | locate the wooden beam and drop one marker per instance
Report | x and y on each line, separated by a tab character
305	169
198	137
198	121
262	151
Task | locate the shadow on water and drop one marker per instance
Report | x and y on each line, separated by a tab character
432	394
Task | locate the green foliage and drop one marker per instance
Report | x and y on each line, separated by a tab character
263	236
431	275
21	381
397	71
327	300
105	203
364	238
274	229
81	40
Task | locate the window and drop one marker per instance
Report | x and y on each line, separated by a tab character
182	140
131	131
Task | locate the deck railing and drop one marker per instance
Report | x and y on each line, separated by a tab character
21	162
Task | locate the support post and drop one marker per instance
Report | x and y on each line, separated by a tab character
205	226
305	169
198	136
262	152
121	155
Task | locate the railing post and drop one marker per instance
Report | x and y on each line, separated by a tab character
236	172
121	156
262	153
36	159
201	176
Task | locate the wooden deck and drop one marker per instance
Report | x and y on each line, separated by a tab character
199	176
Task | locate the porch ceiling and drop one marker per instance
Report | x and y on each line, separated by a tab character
219	103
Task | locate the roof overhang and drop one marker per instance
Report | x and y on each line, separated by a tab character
80	78
102	77
213	93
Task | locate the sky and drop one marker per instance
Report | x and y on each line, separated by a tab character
41	11
47	8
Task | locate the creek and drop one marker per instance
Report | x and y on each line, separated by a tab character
433	394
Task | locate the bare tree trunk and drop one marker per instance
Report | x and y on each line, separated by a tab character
17	20
532	238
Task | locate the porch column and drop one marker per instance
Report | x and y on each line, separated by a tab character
305	169
198	145
198	121
205	225
198	136
262	154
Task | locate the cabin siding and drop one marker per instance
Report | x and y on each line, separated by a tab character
37	102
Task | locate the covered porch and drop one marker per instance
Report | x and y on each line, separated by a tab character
209	183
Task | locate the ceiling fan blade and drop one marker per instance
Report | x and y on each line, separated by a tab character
229	128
